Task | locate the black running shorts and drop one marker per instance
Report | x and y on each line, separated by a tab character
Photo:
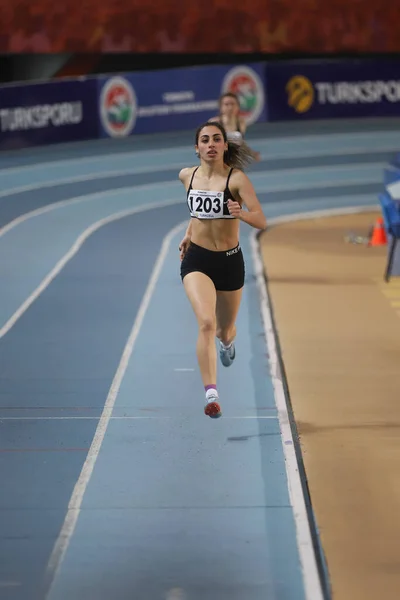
225	268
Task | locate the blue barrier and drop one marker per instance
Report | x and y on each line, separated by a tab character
176	99
46	113
391	218
126	104
391	173
337	89
181	98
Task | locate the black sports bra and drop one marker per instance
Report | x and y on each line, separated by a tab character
208	204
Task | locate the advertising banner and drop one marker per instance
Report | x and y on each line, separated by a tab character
176	99
46	113
306	90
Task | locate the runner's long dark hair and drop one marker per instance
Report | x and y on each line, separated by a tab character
238	156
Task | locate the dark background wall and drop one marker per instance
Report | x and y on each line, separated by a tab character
46	39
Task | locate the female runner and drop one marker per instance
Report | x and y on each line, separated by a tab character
234	125
212	265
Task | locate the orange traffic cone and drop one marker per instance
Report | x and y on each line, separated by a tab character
378	237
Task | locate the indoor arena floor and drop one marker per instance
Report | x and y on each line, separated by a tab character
114	484
338	323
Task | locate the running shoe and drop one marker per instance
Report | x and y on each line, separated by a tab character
227	355
212	408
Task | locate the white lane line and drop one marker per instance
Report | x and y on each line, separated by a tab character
75	502
312	583
326	168
71	252
96	175
116	418
318	152
262	187
87	160
254	417
296	140
79	490
138	170
87	198
81	178
90	230
183	369
320	213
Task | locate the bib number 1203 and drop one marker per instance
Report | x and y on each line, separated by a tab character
200	204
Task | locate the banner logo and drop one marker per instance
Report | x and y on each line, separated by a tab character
246	84
300	93
118	107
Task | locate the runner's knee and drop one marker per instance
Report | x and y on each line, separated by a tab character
207	324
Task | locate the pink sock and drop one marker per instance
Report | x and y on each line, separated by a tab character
210	387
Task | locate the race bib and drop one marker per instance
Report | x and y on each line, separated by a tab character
208	205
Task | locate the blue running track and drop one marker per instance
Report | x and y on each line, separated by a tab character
114	485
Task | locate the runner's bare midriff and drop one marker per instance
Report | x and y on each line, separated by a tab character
216	235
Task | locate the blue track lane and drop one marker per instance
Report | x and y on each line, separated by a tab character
168	486
62	356
175	499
